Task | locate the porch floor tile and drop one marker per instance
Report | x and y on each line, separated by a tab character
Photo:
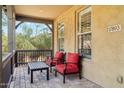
21	79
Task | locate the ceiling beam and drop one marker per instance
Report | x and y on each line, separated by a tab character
33	19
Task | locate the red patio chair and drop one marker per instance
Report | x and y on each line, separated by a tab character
71	66
55	60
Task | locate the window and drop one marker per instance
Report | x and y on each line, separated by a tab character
4	30
61	36
84	33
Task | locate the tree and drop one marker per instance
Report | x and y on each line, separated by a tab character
29	39
22	42
42	41
4	43
4	33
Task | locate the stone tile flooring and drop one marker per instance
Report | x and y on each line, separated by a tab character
21	79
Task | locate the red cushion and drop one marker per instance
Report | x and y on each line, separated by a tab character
57	58
58	55
70	68
72	57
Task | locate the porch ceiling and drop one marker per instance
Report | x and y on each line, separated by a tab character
41	11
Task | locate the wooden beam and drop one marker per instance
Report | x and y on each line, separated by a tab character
18	24
1	70
31	19
49	27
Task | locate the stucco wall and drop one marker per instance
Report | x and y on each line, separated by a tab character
107	48
68	17
107	62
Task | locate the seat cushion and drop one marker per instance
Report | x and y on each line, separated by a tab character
70	68
72	57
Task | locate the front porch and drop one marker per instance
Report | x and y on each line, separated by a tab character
21	79
82	29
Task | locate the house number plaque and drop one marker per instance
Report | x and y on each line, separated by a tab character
114	28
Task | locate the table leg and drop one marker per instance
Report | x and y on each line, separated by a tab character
31	76
55	73
28	70
47	73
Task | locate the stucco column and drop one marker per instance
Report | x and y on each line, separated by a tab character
11	28
14	33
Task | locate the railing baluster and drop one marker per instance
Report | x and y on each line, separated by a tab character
24	56
16	65
31	56
40	56
35	55
22	59
19	57
27	56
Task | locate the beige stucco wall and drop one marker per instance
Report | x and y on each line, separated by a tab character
107	62
107	48
68	17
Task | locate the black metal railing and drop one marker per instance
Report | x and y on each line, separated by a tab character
25	56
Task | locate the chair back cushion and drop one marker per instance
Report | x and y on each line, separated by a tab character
58	55
72	57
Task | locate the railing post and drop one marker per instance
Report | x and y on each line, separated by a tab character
51	53
16	64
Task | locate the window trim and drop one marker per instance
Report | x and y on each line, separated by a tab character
87	10
78	32
59	28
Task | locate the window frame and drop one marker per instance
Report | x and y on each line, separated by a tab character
79	33
60	26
